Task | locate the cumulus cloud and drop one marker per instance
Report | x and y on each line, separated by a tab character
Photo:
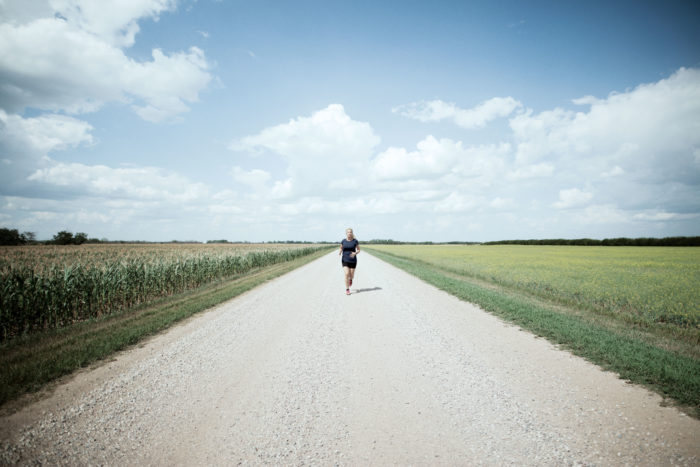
572	198
541	170
634	149
502	203
432	158
435	158
45	133
253	178
651	130
601	214
26	142
114	21
137	183
614	172
318	149
655	215
68	56
324	134
456	202
477	117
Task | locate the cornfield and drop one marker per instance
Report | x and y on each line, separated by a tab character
51	287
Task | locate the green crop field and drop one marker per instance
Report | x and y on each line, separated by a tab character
44	287
644	285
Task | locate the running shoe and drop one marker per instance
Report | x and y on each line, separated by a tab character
347	291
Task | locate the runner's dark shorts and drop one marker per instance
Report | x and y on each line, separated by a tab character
349	265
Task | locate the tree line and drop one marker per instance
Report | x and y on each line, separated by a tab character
64	237
620	241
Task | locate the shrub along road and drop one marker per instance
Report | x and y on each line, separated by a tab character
295	372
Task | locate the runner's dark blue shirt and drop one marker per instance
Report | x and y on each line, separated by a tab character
349	247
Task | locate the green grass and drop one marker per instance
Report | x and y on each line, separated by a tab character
28	363
641	285
663	358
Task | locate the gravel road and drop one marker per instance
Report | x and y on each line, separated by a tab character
297	373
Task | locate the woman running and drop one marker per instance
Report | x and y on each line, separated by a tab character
349	248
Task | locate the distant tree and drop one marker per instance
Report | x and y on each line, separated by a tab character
63	238
620	241
29	237
10	237
80	238
383	241
13	237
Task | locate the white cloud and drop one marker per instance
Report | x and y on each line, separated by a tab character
71	59
114	21
502	203
48	132
433	158
318	149
427	111
541	170
20	11
154	82
601	214
538	136
441	158
572	198
477	117
614	172
661	216
138	183
26	142
643	142
282	189
255	178
456	202
651	130
318	136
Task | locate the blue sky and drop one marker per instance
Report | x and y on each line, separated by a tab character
196	120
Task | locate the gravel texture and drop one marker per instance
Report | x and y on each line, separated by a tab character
297	373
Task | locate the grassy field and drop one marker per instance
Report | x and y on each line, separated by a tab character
645	285
631	310
29	361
